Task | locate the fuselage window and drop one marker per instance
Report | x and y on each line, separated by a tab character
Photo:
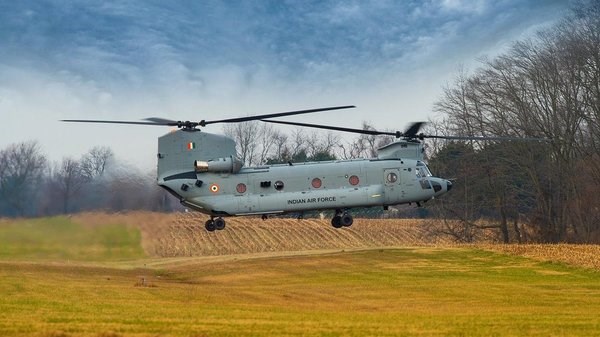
392	177
278	185
316	183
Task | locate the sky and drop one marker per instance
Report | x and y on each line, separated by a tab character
194	60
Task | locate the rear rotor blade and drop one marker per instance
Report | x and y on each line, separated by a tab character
410	133
335	128
423	136
413	129
273	115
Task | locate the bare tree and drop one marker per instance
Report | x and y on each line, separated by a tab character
541	87
94	162
297	145
364	146
281	149
267	139
255	141
69	179
21	171
351	149
318	147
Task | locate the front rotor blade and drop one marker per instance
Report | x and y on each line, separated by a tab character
273	115
111	122
334	128
422	136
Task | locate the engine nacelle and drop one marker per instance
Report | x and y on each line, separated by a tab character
229	165
401	149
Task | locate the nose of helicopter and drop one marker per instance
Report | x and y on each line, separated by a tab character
440	186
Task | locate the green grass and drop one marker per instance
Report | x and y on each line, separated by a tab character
59	278
58	238
388	292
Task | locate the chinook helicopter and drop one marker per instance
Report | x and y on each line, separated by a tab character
201	170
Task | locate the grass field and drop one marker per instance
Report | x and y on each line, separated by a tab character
90	283
59	238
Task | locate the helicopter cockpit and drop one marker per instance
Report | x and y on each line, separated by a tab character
422	171
428	181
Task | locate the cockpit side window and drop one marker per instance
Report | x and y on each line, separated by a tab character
422	170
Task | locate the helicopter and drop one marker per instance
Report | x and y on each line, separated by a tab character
202	171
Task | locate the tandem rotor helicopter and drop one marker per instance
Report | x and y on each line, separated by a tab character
202	171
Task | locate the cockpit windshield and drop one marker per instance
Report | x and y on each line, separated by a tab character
422	170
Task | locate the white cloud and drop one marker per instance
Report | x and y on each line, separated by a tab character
465	6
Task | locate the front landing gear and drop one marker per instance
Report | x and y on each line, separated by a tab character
215	224
342	219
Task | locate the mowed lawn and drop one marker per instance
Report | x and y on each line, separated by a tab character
380	292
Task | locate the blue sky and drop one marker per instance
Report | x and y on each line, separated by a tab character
212	59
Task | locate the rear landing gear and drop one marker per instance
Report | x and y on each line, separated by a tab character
220	224
214	224
346	220
342	219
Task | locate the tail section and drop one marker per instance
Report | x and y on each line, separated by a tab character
179	150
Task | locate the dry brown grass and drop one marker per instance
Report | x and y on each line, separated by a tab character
183	234
187	237
578	255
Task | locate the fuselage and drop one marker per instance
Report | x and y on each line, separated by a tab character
298	187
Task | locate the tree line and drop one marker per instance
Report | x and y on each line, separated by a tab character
31	185
261	143
547	86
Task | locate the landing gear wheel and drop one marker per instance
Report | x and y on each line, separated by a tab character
336	221
346	220
210	225
219	224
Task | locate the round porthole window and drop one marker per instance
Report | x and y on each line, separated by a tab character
278	185
354	180
316	183
392	177
241	188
